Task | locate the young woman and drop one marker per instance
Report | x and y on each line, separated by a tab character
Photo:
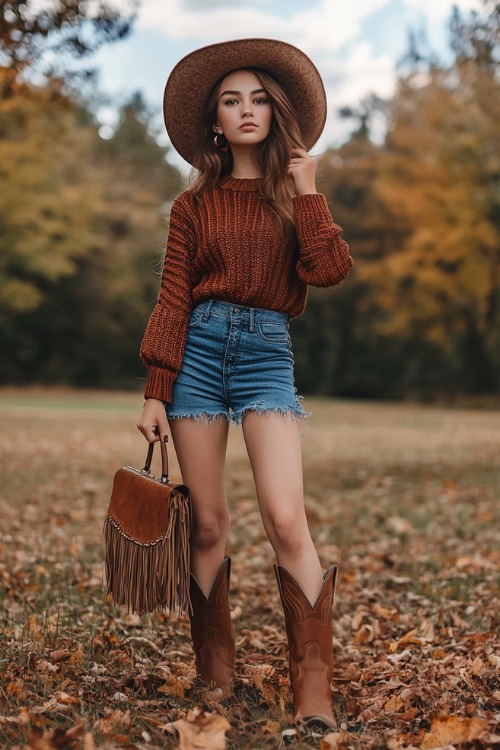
244	243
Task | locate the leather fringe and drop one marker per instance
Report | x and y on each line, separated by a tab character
147	577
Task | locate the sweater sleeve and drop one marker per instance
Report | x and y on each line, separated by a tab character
324	258
162	347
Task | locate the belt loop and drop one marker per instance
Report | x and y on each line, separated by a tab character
206	314
252	320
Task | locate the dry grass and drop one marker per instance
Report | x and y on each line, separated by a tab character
404	498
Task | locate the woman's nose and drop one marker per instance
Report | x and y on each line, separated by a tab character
247	110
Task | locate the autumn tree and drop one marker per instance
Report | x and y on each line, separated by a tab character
46	36
82	218
84	222
420	313
44	196
440	173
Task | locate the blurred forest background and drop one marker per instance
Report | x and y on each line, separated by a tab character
83	220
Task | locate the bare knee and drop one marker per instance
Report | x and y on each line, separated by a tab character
209	529
288	533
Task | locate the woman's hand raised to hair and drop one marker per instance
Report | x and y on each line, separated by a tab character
153	421
302	169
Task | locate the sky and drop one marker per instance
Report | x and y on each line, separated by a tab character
355	44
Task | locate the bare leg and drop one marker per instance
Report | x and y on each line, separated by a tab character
201	451
273	445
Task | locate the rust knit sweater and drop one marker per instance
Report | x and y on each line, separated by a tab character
227	244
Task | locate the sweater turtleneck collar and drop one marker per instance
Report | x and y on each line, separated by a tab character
241	183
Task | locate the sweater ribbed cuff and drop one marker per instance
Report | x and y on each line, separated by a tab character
159	384
311	212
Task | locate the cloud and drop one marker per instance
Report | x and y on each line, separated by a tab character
327	26
211	22
439	10
324	26
211	4
348	81
359	73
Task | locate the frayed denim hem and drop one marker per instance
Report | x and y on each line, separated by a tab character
297	413
207	419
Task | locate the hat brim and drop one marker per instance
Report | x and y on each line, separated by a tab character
193	78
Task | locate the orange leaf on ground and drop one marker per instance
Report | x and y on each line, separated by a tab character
64	698
330	741
438	653
113	723
173	686
270	727
60	654
393	704
336	741
33	628
76	658
410	639
54	739
16	690
450	730
202	731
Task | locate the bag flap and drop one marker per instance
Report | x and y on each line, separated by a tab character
140	504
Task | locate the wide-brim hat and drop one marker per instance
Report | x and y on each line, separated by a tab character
194	77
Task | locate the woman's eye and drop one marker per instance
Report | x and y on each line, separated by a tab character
261	100
231	102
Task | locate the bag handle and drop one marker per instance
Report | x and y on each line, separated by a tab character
164	459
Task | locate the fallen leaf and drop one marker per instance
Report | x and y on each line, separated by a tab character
43	665
393	704
60	654
173	686
111	724
202	731
450	730
330	741
33	628
357	620
64	698
494	660
270	727
16	690
54	739
76	657
410	639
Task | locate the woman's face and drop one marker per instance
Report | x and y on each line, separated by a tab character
244	110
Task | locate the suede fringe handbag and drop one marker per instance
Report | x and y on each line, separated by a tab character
146	533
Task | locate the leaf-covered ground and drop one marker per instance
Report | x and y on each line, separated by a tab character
404	498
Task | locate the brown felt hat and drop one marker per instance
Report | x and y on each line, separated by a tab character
193	78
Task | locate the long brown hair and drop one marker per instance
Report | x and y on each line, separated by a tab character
273	154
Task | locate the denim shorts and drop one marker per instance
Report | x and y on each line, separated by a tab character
236	359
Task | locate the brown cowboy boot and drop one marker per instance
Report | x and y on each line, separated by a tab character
309	631
212	630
